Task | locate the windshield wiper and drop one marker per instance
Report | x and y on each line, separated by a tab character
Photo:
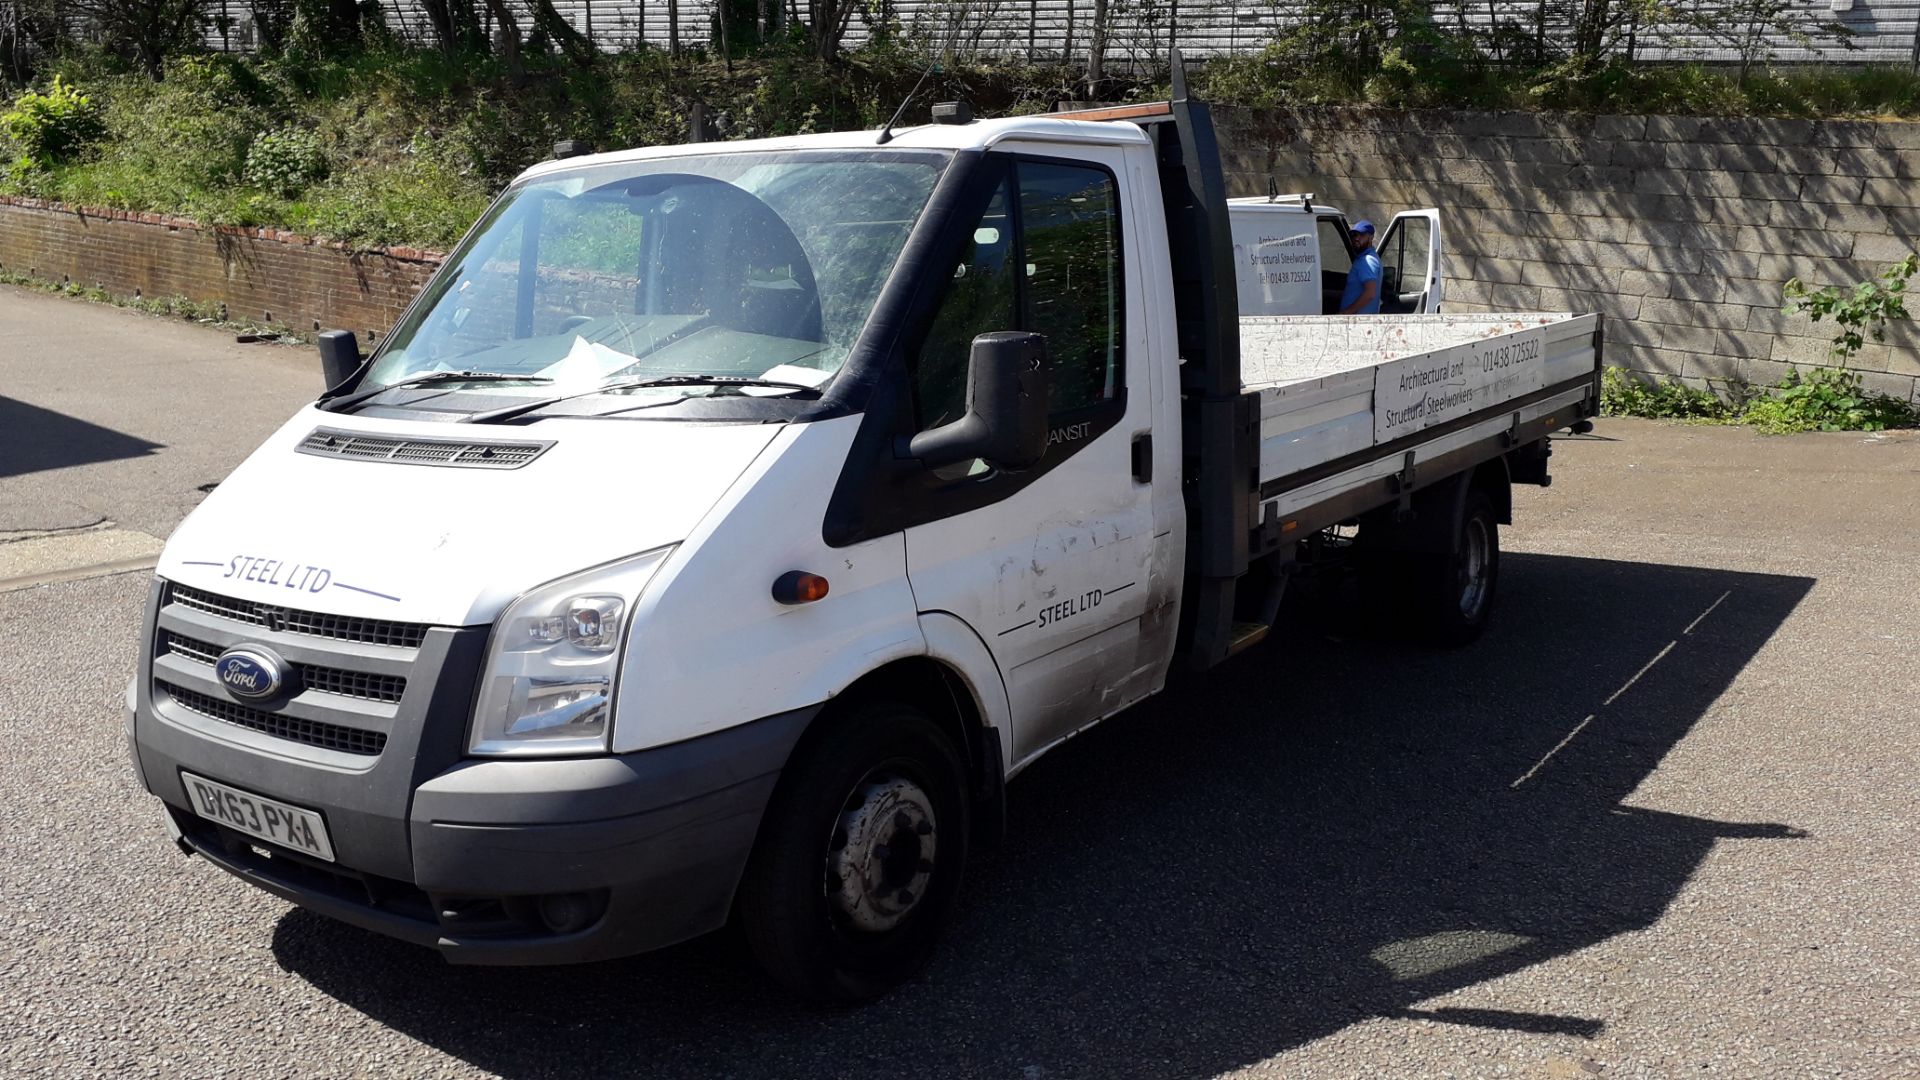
341	404
511	411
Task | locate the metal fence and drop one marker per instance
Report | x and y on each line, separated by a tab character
1843	31
1140	31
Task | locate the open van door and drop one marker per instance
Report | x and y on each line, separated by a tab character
1410	261
1336	259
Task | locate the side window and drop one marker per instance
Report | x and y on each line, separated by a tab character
1334	257
1067	288
1070	227
1407	254
979	300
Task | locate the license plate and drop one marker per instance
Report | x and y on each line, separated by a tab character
268	819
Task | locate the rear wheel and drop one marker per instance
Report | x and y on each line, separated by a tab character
1454	590
1441	597
860	855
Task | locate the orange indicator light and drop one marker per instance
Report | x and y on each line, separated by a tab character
799	587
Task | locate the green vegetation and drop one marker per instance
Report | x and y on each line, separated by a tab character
1287	73
396	145
1823	399
285	162
1624	393
1826	399
339	127
1578	57
50	127
1860	311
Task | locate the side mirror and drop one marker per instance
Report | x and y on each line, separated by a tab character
1006	421
339	356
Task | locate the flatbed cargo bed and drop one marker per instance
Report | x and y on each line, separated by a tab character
1343	398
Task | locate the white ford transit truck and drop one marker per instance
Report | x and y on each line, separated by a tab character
725	524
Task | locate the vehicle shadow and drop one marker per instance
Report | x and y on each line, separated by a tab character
33	439
1332	828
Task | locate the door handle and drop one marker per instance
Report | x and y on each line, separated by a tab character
1143	457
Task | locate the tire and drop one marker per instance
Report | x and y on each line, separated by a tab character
859	857
1453	591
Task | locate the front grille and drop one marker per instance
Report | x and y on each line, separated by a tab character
197	651
353	684
347	740
326	680
294	621
461	453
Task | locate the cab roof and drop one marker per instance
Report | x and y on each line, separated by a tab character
977	135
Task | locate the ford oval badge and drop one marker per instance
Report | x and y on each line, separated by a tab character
250	673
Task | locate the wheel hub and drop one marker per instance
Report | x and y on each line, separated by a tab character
880	857
1475	561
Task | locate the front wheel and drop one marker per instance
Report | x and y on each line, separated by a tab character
860	855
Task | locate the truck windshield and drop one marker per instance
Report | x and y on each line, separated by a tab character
742	267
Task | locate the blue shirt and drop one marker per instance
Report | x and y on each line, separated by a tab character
1365	268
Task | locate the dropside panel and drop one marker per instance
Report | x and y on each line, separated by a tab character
1340	385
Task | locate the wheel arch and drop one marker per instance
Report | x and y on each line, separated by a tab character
1495	479
972	714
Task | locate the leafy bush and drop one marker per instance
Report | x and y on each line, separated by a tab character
1624	394
1826	399
54	126
1867	307
178	146
418	201
285	162
1258	81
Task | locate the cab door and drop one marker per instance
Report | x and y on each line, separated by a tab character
1054	567
1336	260
1410	263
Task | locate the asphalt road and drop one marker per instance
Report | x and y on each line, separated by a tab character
1660	820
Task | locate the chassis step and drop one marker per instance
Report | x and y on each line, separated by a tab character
1245	635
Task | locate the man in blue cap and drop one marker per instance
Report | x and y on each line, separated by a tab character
1363	281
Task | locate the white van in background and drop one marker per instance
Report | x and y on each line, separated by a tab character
1300	254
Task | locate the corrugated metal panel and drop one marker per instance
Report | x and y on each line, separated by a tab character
1877	31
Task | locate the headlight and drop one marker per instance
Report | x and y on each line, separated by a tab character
554	662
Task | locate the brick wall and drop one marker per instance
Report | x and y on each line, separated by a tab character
262	275
1681	230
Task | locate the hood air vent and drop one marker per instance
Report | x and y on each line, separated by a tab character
459	453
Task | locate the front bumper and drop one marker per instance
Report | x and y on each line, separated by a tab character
470	857
654	841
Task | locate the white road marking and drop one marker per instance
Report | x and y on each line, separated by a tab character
1577	729
1704	614
1628	685
1615	696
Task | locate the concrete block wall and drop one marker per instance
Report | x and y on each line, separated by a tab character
1681	230
262	275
